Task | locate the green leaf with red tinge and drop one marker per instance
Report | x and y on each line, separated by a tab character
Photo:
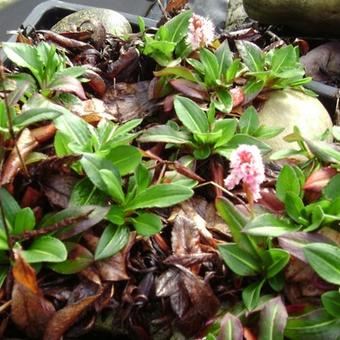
273	320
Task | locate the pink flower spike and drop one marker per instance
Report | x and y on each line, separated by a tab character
247	166
201	32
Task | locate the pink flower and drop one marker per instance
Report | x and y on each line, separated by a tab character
247	166
201	32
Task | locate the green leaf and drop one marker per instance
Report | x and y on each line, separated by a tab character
179	71
273	320
113	184
232	70
10	207
236	222
23	55
224	58
275	260
252	89
294	206
316	325
85	193
277	282
249	121
165	134
239	139
211	66
35	115
268	225
177	27
147	224
142	177
325	260
125	158
75	128
116	215
238	260
283	58
78	259
92	163
3	274
191	115
267	132
332	190
112	241
331	302
228	128
224	101
251	54
141	24
160	196
230	328
326	152
287	181
24	221
45	249
251	295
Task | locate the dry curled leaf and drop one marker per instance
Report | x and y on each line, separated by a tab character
30	310
64	318
129	101
25	144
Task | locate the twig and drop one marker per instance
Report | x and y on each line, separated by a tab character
161	7
49	229
230	194
5	306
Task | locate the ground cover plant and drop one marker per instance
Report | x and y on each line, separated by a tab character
140	197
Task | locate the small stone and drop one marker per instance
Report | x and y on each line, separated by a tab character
288	108
113	21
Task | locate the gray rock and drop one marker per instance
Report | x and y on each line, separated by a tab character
315	17
289	108
113	22
236	15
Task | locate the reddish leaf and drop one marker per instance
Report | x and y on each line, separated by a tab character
30	310
68	84
26	143
319	179
44	133
190	89
231	328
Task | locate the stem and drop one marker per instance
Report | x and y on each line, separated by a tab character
10	121
250	198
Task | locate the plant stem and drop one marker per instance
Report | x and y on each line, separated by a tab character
10	121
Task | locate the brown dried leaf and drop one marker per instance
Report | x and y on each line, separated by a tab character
128	101
203	303
175	5
185	237
125	66
25	143
190	209
64	318
30	310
